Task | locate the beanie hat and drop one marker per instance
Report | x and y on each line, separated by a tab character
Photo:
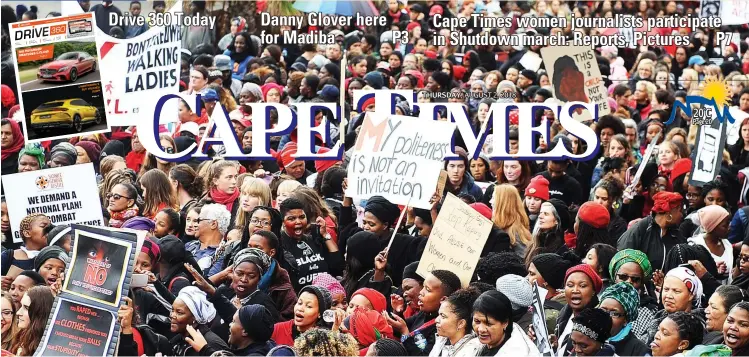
363	246
518	289
527	73
443	79
327	281
374	79
552	268
93	150
563	212
593	323
412	25
286	154
50	252
711	216
594	214
409	272
587	270
324	299
257	321
431	65
375	298
681	167
538	187
482	209
322	165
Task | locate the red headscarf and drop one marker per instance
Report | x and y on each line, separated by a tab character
666	201
17	143
8	97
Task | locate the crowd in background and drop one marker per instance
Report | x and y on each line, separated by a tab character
271	258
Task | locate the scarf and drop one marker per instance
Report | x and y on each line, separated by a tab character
17	143
622	334
690	280
118	218
134	160
224	198
267	278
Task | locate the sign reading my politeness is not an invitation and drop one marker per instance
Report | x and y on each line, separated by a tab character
457	239
65	195
575	77
399	158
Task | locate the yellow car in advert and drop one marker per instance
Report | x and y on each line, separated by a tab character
66	113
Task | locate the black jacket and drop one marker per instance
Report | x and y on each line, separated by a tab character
645	236
221	300
151	341
180	347
255	349
630	346
422	342
565	188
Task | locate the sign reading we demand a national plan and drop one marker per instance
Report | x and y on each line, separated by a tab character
399	158
65	194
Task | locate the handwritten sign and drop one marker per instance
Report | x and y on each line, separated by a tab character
395	158
710	8
711	140
734	12
457	239
575	77
65	195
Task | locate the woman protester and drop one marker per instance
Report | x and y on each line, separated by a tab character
31	158
306	254
241	51
222	187
50	264
735	332
548	270
455	335
362	267
312	303
32	317
621	302
493	326
122	204
548	234
192	312
715	220
677	333
581	286
656	234
136	339
590	330
12	143
717	309
599	257
681	292
172	271
249	266
154	303
510	216
32	229
188	187
158	193
275	282
591	227
166	222
9	322
249	334
632	266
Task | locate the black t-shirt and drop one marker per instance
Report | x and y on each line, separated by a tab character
309	259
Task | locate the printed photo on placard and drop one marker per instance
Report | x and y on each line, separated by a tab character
99	266
58	76
77	330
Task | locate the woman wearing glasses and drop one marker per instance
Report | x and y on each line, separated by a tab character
122	204
153	162
621	301
8	324
632	266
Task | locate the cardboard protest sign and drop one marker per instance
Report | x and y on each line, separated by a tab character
711	140
59	77
84	320
141	70
457	239
575	77
539	321
734	12
78	330
395	158
66	194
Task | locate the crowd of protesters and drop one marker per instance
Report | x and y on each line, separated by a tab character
271	258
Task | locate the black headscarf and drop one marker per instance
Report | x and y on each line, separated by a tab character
382	209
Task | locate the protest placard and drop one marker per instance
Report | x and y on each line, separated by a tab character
78	330
457	239
711	140
734	12
141	70
710	8
575	77
58	75
66	194
84	320
395	158
539	321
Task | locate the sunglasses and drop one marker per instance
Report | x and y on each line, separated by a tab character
744	258
632	278
116	196
169	150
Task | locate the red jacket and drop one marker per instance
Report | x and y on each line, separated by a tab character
282	333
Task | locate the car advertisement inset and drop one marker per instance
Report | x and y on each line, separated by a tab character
58	76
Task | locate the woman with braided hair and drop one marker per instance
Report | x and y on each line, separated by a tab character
679	332
32	233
